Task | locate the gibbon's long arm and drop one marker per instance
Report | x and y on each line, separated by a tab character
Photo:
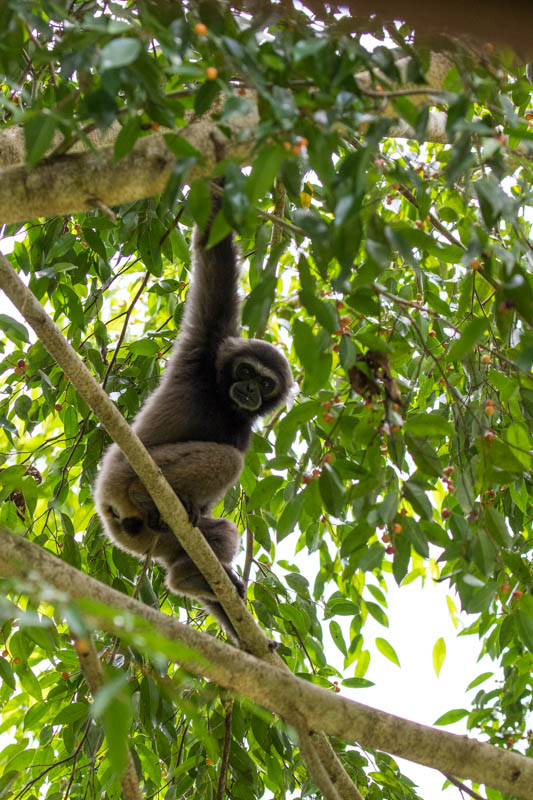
212	308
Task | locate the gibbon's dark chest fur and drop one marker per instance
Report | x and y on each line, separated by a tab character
191	405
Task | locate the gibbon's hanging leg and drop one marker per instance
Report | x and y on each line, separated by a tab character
132	519
183	576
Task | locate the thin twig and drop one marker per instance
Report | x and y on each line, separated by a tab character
223	775
462	787
92	671
430	90
124	328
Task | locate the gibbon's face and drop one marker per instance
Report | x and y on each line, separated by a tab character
253	385
253	375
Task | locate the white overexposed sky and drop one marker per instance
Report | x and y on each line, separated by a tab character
418	615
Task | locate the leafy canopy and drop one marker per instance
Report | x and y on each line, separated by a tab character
401	292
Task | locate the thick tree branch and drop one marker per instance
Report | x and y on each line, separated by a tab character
81	181
296	700
484	20
224	760
315	766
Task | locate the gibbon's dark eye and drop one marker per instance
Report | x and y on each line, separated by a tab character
244	372
268	385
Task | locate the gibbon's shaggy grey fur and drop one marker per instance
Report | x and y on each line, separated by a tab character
197	425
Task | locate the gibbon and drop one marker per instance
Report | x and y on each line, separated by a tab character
197	425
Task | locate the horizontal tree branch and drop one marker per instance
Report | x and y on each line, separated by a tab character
80	181
483	20
296	700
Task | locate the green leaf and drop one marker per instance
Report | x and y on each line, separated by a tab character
22	406
452	716
377	612
357	683
480	679
317	365
119	53
432	424
69	418
150	247
387	650
13	330
264	170
332	490
323	312
496	526
416	495
258	304
292	614
6	782
413	532
388	508
144	347
525	628
38	135
290	516
470	336
492	199
199	202
72	713
235	200
424	456
519	438
112	706
264	491
347	352
336	634
439	654
6	673
29	682
126	138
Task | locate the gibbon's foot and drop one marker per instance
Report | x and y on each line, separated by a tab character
154	521
236	581
192	510
216	611
184	578
151	512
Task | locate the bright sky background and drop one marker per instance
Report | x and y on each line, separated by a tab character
418	616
